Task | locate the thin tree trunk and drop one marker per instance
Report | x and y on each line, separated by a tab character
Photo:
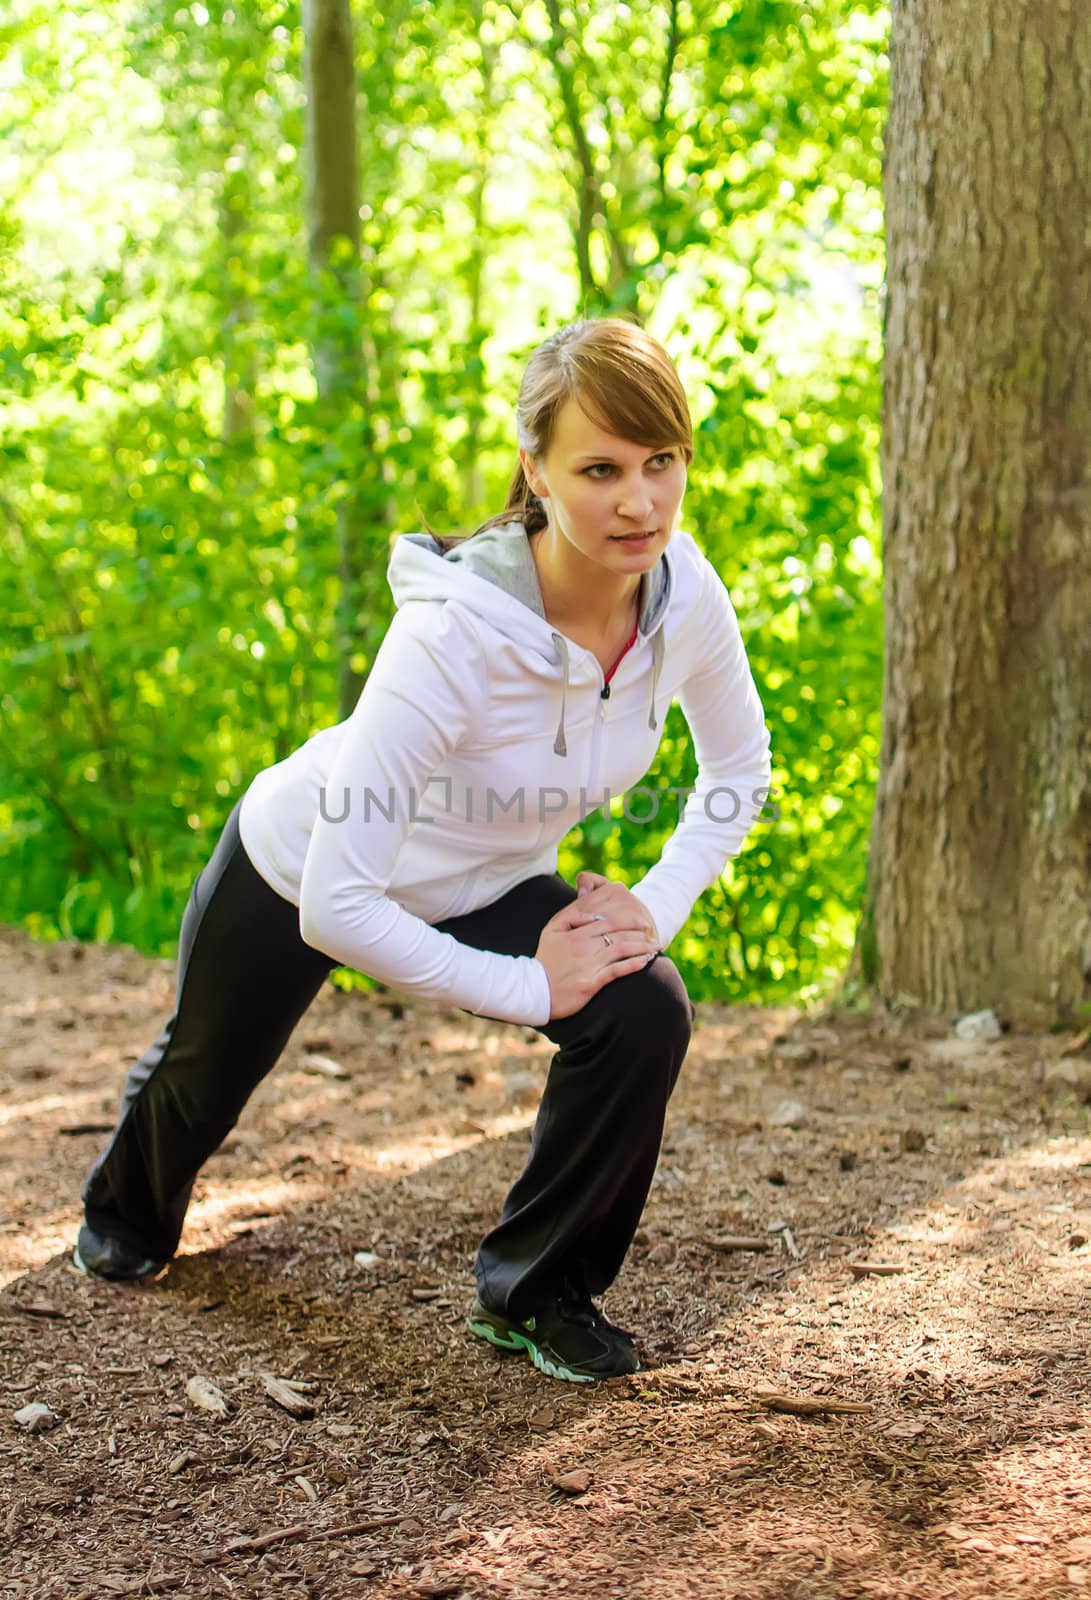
333	215
979	888
589	197
663	142
240	377
473	474
333	186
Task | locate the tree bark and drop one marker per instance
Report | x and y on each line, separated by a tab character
333	217
589	197
240	376
979	889
473	472
333	186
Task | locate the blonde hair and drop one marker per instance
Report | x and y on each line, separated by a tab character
623	379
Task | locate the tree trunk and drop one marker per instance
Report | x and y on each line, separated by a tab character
240	376
473	471
333	216
979	889
589	195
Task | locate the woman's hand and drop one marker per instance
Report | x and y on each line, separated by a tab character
597	893
583	950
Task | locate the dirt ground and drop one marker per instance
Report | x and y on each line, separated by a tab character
331	1244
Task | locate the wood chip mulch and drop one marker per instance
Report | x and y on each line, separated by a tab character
863	1320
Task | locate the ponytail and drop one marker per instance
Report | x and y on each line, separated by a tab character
522	505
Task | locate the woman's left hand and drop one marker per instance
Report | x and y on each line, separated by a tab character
603	894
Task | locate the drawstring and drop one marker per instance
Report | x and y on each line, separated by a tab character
657	664
560	745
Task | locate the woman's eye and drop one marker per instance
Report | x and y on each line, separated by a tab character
602	469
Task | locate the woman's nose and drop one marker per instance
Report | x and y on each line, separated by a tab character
636	500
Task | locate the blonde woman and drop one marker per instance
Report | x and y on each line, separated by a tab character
524	679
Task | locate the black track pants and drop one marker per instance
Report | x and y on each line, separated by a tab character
245	978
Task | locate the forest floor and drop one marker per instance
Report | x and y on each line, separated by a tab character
331	1242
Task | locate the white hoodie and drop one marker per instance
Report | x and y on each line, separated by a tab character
481	736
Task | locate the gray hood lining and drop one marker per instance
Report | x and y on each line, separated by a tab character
502	556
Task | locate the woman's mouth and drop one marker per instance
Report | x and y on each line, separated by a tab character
632	538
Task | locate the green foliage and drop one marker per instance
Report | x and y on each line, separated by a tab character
171	484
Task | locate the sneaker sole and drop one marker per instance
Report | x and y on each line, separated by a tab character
101	1277
518	1343
501	1333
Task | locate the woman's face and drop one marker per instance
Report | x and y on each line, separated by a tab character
613	501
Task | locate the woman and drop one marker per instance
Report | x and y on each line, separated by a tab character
523	680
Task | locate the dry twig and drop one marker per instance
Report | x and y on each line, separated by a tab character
300	1530
810	1405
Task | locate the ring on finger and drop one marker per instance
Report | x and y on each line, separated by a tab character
607	939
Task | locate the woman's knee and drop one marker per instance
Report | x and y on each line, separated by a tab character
650	1010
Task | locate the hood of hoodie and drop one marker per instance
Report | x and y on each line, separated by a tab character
493	574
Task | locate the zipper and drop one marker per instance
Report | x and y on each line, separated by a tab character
597	728
599	725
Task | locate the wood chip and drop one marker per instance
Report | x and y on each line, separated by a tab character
809	1405
738	1241
43	1309
577	1482
323	1067
307	1486
203	1393
874	1269
287	1396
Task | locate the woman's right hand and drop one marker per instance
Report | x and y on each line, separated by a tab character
579	962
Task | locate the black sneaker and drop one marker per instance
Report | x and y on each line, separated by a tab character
98	1256
566	1338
